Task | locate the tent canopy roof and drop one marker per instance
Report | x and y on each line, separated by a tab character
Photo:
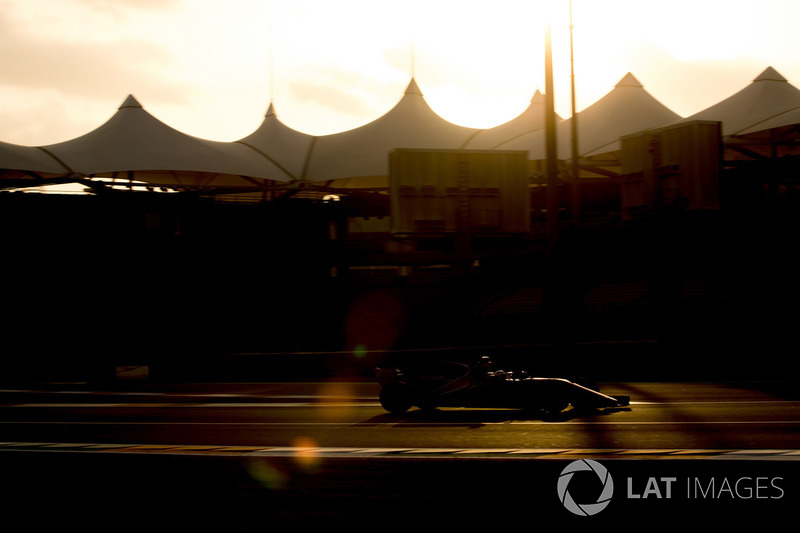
626	109
14	157
531	119
134	144
284	146
756	106
133	141
363	151
629	80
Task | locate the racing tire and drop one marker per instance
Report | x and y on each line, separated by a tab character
554	407
396	398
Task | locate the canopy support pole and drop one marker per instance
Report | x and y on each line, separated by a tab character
550	145
576	195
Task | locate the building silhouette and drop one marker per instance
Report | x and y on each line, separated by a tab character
187	254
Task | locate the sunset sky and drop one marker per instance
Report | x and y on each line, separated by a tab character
211	68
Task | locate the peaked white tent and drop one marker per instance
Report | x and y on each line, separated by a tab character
777	136
283	146
761	120
531	119
360	155
789	119
134	145
18	161
626	109
757	106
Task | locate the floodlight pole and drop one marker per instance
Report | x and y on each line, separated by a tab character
576	196
553	296
550	144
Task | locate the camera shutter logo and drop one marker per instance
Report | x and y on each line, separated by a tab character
585	509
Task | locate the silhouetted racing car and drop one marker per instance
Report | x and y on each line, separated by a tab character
431	384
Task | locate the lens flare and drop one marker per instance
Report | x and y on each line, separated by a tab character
360	351
335	400
266	475
305	453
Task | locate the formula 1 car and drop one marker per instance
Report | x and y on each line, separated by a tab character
431	384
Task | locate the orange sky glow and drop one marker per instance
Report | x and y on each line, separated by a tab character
210	68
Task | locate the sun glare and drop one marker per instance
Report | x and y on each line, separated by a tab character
476	66
692	31
211	69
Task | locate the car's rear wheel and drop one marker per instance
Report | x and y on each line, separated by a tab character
555	406
396	398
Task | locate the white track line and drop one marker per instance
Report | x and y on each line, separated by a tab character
415	423
355	452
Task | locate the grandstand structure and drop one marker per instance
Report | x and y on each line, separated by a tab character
251	244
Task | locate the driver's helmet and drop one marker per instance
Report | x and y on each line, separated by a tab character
484	362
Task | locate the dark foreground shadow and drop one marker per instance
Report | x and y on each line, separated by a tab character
478	416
